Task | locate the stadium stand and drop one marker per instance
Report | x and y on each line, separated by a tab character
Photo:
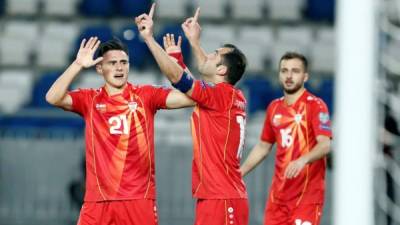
40	38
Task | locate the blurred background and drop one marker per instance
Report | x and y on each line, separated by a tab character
42	148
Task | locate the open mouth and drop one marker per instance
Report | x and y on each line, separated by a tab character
118	76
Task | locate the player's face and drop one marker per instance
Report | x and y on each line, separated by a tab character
114	68
212	66
292	75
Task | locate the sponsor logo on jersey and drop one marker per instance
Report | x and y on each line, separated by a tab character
101	107
132	106
324	117
276	121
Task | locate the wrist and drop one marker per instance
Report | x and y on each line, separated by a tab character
179	58
148	39
77	63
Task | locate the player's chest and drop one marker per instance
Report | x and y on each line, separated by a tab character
119	114
290	124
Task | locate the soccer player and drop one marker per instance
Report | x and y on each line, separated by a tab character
299	124
119	117
217	123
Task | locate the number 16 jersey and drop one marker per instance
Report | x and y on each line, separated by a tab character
119	136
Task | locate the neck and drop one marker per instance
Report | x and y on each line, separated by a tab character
292	98
114	90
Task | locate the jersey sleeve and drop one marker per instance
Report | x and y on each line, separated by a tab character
267	131
208	95
157	96
321	122
80	101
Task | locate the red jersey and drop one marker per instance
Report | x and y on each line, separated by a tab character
217	124
119	137
294	128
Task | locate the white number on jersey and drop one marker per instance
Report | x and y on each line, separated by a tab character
242	123
287	139
299	222
118	124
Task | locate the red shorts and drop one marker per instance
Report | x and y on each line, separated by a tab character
222	212
125	212
282	214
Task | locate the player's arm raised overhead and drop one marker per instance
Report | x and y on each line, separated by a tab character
57	94
257	154
176	99
174	50
168	67
192	30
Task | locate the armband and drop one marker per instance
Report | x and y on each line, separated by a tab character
185	83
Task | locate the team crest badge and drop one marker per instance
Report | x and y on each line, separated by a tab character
132	106
276	121
298	118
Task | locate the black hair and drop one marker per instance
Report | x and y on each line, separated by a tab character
236	63
113	44
295	55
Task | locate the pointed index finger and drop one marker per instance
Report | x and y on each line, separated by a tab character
196	15
151	13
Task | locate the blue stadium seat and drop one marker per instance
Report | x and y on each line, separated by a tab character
103	32
97	8
40	89
260	92
176	29
133	8
139	54
326	93
1	7
318	10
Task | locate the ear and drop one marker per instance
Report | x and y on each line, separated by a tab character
222	70
99	68
306	77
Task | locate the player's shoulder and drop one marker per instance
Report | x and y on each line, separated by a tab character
277	101
148	87
314	100
86	91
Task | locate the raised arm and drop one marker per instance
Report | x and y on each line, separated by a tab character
174	50
257	154
57	95
192	31
168	67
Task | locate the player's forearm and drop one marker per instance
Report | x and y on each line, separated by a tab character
167	66
256	156
199	54
60	87
319	151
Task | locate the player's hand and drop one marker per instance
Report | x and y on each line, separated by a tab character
294	168
86	52
192	28
169	44
145	23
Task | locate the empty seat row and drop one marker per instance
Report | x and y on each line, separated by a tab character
98	8
55	43
291	10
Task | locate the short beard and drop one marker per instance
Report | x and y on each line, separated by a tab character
293	90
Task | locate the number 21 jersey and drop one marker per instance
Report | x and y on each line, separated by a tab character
119	137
